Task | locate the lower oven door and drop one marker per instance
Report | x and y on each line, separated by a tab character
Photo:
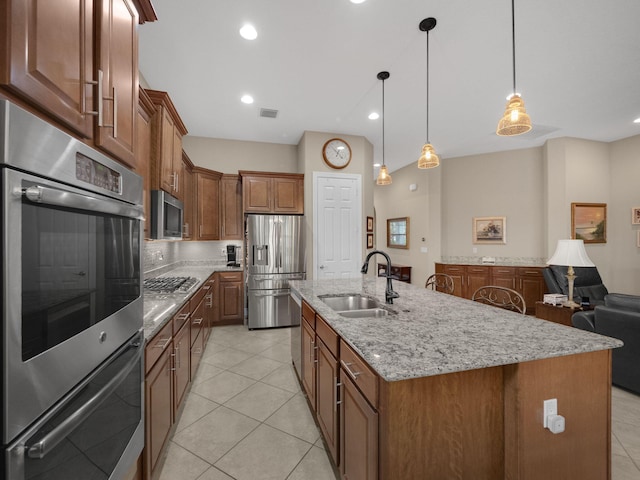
95	433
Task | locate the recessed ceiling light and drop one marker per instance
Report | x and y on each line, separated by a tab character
376	165
358	1
248	99
248	32
637	120
374	116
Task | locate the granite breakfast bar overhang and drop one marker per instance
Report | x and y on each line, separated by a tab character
462	385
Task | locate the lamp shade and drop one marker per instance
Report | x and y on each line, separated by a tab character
383	176
429	158
571	253
515	120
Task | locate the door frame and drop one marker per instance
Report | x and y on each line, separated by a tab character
347	176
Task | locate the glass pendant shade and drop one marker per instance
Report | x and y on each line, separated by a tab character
515	120
383	177
429	158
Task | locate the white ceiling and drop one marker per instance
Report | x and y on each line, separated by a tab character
316	61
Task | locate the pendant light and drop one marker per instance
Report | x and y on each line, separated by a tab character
383	177
429	158
515	120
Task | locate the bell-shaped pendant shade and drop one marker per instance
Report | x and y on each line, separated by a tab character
429	158
383	177
515	120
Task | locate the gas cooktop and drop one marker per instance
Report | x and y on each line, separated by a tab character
169	284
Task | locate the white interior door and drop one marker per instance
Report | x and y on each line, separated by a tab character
337	229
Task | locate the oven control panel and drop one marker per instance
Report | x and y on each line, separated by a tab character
94	173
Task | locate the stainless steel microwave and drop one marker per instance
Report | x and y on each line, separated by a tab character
167	214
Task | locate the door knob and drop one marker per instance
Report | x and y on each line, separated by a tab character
321	267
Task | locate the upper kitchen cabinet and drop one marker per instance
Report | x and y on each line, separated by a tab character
189	197
78	64
146	109
207	204
166	145
265	192
231	207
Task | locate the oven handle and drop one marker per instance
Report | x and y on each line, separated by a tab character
53	438
63	198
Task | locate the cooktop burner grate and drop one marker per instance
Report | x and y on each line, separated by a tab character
169	284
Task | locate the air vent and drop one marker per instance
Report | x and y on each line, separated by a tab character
268	113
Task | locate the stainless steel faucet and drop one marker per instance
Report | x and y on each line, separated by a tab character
389	294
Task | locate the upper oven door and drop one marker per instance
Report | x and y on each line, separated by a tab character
72	289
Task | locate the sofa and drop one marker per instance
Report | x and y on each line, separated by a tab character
618	317
587	283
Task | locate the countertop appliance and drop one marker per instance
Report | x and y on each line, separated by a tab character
232	255
72	307
275	254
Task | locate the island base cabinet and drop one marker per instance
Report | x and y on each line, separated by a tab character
358	434
582	385
326	398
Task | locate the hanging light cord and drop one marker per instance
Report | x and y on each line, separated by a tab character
382	121
427	86
513	42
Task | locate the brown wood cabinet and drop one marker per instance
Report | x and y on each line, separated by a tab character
189	198
172	357
230	298
166	145
528	281
265	192
146	109
327	385
309	355
78	65
207	204
231	208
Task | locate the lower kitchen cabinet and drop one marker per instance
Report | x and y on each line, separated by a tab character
172	357
210	312
326	398
230	297
358	433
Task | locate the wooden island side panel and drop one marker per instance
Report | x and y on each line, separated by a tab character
582	385
445	426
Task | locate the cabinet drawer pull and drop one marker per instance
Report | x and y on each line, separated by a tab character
351	373
196	321
167	341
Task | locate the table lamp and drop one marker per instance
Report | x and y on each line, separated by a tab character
571	253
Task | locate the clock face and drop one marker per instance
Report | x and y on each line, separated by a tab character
336	153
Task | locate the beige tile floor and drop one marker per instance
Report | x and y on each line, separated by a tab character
246	418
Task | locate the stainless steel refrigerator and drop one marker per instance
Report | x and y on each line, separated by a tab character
275	254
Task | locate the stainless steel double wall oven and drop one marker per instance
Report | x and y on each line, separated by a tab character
71	338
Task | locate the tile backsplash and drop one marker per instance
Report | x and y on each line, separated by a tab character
157	254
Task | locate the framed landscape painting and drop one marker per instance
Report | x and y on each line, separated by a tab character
490	230
635	216
589	222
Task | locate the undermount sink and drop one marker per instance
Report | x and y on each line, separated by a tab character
355	306
369	312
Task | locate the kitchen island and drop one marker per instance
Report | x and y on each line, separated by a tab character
446	388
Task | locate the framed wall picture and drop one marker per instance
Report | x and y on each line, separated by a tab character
638	239
490	230
369	224
635	216
589	222
398	232
369	240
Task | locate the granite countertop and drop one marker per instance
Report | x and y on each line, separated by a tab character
160	307
432	333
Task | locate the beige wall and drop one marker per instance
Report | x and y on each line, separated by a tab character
229	156
310	160
534	189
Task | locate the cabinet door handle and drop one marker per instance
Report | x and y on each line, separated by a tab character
351	373
336	393
173	362
164	345
177	355
185	229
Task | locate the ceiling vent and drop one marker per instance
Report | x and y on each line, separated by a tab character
268	113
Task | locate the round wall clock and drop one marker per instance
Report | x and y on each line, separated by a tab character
336	153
